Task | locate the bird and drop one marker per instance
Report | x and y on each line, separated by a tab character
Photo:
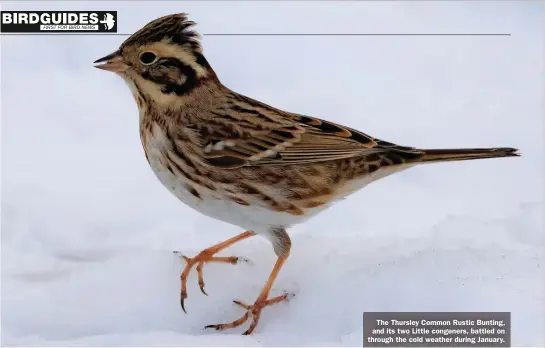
241	161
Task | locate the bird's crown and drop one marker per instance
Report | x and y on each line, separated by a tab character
175	28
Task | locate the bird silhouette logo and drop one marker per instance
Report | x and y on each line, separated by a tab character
108	21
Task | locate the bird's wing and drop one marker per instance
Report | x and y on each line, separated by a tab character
271	139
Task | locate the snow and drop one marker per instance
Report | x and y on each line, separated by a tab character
88	231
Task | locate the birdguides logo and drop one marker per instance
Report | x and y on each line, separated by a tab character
58	22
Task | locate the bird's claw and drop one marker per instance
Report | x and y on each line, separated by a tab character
181	257
201	279
242	259
243	305
253	311
183	296
199	261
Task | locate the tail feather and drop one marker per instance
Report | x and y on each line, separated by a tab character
443	155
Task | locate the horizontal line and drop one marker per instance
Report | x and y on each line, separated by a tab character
366	34
285	34
272	0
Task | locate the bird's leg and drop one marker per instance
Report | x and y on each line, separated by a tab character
207	256
282	245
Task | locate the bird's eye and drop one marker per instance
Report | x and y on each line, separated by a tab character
148	57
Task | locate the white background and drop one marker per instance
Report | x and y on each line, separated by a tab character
87	229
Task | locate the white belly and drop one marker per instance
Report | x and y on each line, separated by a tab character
249	217
252	217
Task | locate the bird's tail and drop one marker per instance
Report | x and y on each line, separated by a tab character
443	155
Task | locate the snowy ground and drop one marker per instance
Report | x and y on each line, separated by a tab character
88	232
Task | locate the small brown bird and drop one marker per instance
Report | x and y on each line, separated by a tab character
241	161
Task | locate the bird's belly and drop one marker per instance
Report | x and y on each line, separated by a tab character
249	216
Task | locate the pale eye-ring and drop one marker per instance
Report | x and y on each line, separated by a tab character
148	57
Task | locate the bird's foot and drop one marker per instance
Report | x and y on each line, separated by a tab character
203	257
253	311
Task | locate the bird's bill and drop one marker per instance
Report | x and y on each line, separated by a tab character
112	62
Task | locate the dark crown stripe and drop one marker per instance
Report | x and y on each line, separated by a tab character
174	27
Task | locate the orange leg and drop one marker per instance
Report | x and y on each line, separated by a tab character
207	256
282	247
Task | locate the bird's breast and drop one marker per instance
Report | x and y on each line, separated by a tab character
177	171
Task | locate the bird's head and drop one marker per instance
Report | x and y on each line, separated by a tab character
162	61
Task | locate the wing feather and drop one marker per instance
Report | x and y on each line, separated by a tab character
240	139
